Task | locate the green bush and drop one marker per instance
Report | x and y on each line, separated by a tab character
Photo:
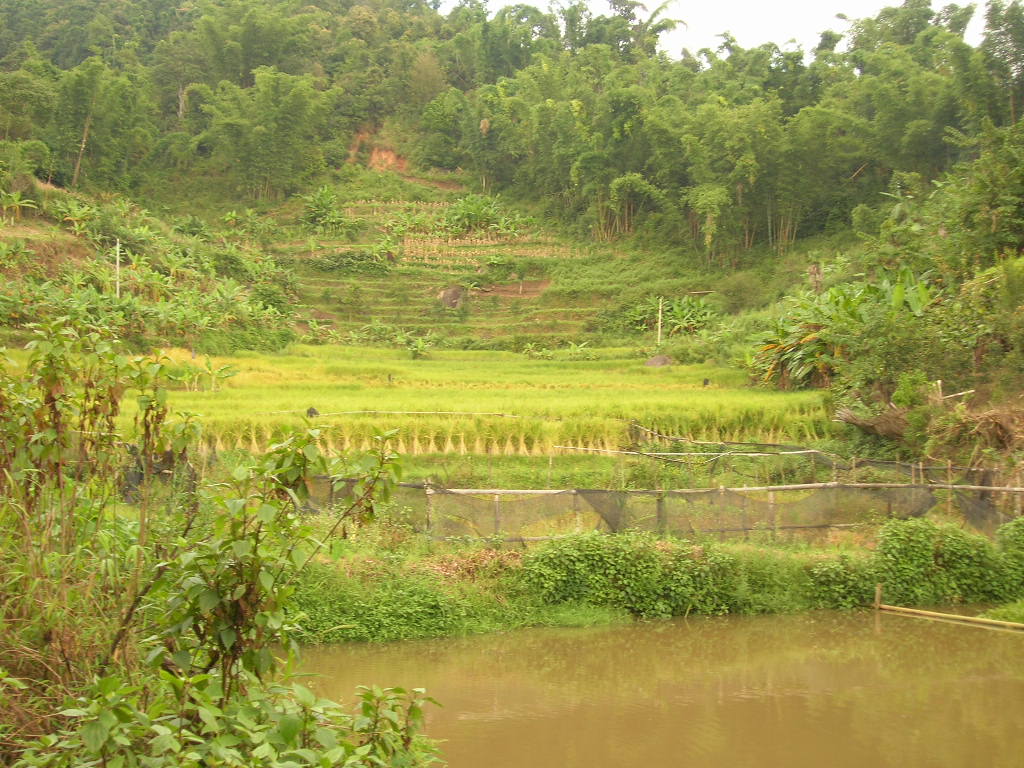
391	606
921	562
842	582
1010	540
701	580
1011	612
596	578
652	579
622	571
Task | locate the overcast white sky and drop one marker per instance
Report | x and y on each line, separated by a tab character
753	22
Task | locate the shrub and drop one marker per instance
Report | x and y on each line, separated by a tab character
701	580
622	571
842	582
1010	540
921	562
391	605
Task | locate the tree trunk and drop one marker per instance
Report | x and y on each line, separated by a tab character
81	149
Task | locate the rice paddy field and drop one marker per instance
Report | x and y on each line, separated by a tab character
486	403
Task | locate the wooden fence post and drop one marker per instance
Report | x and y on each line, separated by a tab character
949	492
429	491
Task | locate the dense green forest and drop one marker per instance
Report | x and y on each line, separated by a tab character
723	149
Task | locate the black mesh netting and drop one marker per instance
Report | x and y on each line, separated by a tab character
525	516
725	512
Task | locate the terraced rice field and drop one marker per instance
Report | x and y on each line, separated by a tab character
487	403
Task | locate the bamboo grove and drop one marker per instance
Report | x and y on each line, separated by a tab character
725	149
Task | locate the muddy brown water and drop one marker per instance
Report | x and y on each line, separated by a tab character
822	691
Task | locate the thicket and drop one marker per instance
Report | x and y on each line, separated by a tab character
399	586
144	613
723	149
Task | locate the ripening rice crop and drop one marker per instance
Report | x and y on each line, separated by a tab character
487	403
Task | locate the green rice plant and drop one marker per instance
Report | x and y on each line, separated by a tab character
456	401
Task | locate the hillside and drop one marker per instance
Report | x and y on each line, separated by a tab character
844	219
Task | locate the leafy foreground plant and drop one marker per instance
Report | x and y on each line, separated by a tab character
130	638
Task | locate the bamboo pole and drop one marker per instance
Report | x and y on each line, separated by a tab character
661	302
716	454
956	618
949	481
503	492
743	489
977	621
429	491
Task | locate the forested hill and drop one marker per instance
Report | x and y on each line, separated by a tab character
725	164
723	149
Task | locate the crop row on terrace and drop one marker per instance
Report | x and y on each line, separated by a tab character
486	403
450	437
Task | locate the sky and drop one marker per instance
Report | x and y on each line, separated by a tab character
753	22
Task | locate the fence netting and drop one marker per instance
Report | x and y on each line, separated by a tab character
725	513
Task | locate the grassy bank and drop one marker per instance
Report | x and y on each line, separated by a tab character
1009	612
387	583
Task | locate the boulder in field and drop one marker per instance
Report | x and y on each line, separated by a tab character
659	360
452	297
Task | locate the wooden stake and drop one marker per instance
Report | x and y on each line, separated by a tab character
949	494
661	303
429	491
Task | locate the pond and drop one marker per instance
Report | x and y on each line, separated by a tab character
836	690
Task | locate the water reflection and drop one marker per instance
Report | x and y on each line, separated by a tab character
821	690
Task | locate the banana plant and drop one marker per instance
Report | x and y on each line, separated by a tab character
13	201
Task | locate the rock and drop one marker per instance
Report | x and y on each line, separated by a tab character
453	297
659	360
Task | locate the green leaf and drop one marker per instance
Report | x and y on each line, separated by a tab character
228	638
304	696
183	659
288	727
208	600
94	735
241	547
264	751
